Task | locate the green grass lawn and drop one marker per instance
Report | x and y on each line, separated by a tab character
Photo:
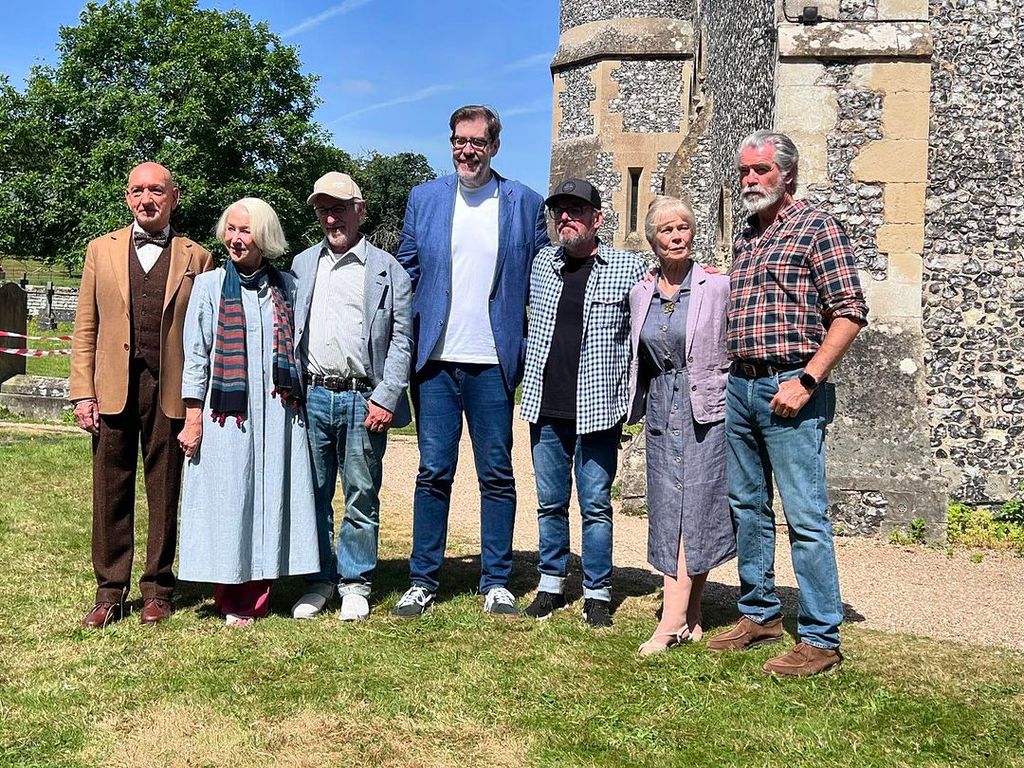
455	688
52	365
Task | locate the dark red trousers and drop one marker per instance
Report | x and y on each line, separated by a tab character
115	454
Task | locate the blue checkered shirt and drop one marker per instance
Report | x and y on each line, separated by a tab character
602	387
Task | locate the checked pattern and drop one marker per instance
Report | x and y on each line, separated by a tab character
788	284
602	388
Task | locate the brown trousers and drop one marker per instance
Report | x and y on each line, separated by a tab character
114	461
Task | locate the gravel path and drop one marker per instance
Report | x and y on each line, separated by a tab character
917	590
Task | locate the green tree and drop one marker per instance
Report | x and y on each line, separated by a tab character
217	99
385	181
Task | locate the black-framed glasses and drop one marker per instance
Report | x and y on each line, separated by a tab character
460	142
335	211
555	212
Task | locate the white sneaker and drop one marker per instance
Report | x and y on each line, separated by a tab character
501	602
354	608
311	603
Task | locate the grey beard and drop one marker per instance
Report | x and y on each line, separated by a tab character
756	201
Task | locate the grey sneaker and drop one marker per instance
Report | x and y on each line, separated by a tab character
500	602
312	603
414	602
598	613
544	604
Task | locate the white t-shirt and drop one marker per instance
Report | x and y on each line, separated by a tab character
467	336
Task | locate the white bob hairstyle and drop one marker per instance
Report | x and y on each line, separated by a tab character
264	225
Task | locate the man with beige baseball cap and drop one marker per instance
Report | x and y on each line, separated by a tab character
353	335
339	186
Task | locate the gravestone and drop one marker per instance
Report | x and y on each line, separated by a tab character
13	317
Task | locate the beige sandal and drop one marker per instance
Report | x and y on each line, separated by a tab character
650	647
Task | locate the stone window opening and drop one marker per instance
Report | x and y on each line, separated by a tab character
723	225
633	203
698	73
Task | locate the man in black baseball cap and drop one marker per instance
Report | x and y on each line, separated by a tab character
581	189
575	393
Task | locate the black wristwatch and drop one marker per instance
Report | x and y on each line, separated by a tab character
808	382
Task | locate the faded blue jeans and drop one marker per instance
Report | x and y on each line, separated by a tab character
792	450
557	451
442	393
342	445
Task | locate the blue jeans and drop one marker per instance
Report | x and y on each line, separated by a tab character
557	451
442	393
763	445
341	444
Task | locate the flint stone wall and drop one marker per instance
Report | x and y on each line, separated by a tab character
577	12
974	243
735	99
858	205
650	96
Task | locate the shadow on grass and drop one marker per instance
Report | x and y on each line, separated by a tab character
460	575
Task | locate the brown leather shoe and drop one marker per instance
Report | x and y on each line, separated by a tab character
102	614
802	660
155	610
746	634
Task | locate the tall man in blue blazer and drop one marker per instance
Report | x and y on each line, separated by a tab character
353	335
468	244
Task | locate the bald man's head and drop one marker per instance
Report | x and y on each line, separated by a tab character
151	196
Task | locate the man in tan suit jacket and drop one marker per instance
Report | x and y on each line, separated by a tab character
126	364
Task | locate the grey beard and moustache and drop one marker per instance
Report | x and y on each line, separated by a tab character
571	241
757	199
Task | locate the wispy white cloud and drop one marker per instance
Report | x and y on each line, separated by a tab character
527	109
357	86
528	62
330	13
409	98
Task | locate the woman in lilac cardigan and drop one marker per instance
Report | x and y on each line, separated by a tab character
677	382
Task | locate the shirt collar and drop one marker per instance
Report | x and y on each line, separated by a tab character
600	255
358	251
785	213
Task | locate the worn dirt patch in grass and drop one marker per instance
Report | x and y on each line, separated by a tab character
179	736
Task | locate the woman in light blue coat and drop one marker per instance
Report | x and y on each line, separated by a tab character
247	513
677	380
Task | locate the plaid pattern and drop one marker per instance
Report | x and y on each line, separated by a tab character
602	388
228	394
788	284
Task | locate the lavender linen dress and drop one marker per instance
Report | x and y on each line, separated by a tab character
687	495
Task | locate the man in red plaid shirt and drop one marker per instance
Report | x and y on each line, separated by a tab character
796	306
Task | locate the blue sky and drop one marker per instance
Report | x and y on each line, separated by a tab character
391	71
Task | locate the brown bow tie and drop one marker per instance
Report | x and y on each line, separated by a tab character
141	237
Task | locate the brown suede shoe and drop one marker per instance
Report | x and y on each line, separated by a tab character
746	634
155	610
802	660
102	614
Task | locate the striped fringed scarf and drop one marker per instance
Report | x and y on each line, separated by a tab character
228	382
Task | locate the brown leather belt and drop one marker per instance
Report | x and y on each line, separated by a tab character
761	370
336	383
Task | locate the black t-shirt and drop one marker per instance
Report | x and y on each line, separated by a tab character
558	400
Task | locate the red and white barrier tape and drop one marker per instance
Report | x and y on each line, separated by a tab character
13	335
34	352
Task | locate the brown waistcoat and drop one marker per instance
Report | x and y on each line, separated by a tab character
147	292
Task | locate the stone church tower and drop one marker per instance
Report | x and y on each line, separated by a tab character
907	115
